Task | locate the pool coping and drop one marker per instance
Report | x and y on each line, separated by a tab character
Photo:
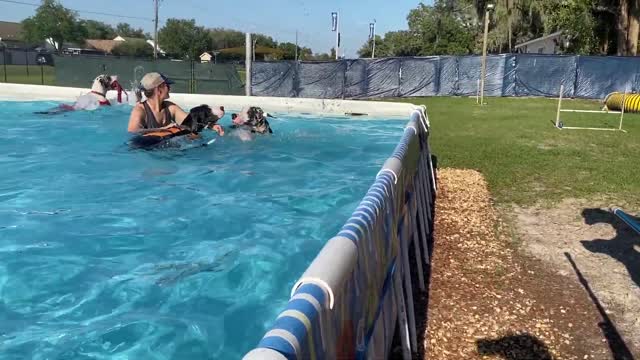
318	107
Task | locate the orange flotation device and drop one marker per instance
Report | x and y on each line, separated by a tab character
154	138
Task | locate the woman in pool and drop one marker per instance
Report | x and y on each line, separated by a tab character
156	112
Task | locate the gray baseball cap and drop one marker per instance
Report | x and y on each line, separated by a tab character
154	79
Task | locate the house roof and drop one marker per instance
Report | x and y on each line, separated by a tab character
10	30
550	36
104	45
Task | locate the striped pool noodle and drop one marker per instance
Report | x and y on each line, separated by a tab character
627	219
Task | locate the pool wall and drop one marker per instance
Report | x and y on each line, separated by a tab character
368	109
347	303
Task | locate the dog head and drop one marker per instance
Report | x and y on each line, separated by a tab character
201	117
254	118
103	83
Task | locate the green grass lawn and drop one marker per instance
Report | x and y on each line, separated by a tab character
18	74
526	159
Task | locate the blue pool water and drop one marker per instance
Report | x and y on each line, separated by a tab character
108	253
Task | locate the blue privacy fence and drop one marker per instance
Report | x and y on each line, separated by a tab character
507	75
358	290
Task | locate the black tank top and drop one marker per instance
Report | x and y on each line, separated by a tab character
150	121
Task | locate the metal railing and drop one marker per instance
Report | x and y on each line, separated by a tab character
348	301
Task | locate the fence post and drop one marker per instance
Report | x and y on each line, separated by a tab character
575	78
41	74
193	77
4	62
26	60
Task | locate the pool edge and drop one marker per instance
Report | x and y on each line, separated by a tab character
321	107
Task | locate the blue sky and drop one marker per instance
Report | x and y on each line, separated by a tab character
277	18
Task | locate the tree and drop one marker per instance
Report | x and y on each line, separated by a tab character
53	21
137	48
441	32
264	40
366	48
627	26
305	53
289	51
126	30
221	38
98	30
183	39
576	20
323	56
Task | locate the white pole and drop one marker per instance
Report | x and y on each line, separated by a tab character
622	111
559	106
247	61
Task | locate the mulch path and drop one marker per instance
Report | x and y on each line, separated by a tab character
488	301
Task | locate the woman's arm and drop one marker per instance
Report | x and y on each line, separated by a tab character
136	120
177	113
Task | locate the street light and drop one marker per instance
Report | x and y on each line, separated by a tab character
488	10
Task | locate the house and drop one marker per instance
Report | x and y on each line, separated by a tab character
549	44
11	34
207	56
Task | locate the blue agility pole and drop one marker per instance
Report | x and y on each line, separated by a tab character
628	219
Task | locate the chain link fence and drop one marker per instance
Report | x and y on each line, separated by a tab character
28	66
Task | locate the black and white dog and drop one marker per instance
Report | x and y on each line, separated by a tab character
199	118
253	119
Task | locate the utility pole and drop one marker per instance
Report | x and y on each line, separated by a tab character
253	52
336	27
509	22
155	32
296	45
484	51
372	35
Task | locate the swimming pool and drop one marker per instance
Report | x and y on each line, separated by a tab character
111	253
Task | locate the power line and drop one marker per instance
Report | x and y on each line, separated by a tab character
82	11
